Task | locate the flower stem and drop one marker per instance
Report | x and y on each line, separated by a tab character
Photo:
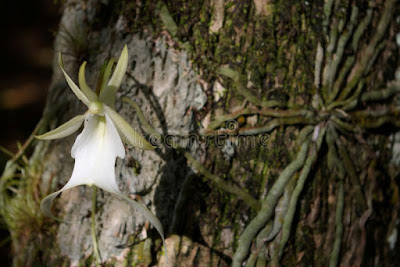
93	227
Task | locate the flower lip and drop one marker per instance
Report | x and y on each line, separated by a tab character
96	108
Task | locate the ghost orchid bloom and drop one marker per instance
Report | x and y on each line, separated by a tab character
99	144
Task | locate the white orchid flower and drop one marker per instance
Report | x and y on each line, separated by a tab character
95	150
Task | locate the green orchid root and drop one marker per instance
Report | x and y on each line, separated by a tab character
268	205
339	226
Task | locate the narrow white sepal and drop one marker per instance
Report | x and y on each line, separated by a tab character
79	94
109	92
106	77
120	69
46	203
84	86
131	136
64	130
45	206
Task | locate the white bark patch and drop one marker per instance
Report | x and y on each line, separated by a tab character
217	18
252	120
396	150
262	7
218	91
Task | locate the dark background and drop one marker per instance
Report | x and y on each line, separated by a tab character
26	48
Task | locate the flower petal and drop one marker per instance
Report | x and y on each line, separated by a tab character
106	75
84	86
45	204
132	137
108	93
95	151
79	94
120	69
64	130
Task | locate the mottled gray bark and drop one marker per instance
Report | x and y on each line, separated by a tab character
258	68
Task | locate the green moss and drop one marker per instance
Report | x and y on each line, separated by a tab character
141	253
20	196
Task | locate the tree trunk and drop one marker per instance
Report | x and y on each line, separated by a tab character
277	143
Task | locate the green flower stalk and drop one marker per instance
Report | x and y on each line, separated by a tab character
99	144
